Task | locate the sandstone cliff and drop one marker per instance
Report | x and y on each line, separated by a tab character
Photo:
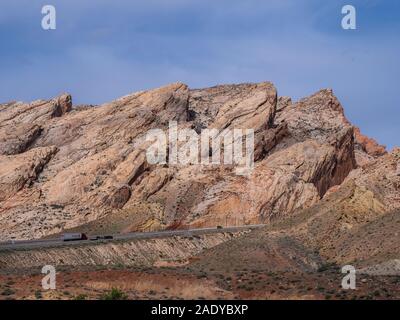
68	167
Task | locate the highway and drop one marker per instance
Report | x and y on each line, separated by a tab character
58	242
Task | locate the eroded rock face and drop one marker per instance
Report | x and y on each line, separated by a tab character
358	222
68	166
21	124
17	172
145	252
369	145
16	139
366	149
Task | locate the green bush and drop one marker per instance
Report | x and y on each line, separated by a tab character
115	294
38	294
80	297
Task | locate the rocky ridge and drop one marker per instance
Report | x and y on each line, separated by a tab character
63	167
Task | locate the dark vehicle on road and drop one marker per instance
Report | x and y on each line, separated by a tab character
107	237
219	227
73	236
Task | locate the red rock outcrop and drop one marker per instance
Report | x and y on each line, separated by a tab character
369	145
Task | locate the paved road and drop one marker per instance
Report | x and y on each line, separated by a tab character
32	244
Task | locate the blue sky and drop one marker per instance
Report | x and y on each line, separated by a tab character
105	49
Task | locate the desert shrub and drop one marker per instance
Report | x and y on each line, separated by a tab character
376	293
115	294
7	292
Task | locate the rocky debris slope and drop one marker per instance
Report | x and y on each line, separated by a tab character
169	251
356	223
64	167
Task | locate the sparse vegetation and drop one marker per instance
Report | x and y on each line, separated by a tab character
38	294
7	292
80	297
114	294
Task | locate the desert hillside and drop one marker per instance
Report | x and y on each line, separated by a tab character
64	166
327	194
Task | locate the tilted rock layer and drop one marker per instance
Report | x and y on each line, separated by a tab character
64	167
